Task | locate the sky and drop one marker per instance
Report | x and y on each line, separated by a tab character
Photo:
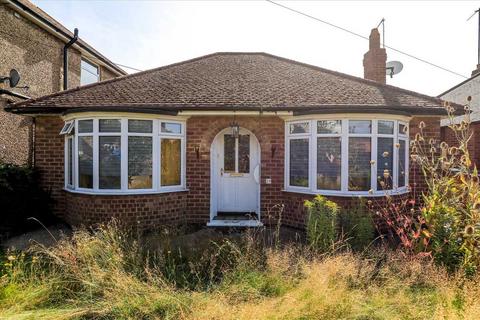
148	34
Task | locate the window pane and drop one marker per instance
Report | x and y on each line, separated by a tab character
329	163
171	162
228	153
87	78
87	66
401	163
359	126
329	126
85	126
359	156
299	162
67	128
170	127
140	126
402	129
70	161
385	164
109	163
385	127
140	162
299	127
244	153
85	162
89	73
109	125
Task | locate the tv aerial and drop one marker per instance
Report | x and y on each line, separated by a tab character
393	67
13	78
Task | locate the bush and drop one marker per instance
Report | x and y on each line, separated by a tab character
446	224
21	197
321	223
357	225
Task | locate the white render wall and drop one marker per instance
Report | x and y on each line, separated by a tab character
471	87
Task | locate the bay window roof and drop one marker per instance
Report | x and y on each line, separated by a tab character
237	81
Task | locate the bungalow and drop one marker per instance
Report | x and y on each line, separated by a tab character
224	138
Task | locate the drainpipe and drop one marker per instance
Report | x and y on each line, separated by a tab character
65	58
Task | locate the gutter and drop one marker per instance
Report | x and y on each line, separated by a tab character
208	109
61	34
14	94
65	58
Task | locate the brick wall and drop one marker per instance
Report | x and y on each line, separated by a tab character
448	136
143	211
201	132
49	154
191	206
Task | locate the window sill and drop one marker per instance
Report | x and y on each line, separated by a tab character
352	194
125	193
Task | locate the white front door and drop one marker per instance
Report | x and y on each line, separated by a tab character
237	171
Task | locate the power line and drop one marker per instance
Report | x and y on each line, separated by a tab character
366	38
124	66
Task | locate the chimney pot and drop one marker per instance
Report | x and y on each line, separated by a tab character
375	60
476	71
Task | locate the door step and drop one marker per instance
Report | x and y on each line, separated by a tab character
236	216
237	219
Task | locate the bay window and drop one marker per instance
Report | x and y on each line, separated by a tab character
122	155
345	156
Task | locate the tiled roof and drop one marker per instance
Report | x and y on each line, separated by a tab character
240	81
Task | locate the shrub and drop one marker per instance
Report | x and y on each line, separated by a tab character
357	225
18	183
446	224
451	207
321	223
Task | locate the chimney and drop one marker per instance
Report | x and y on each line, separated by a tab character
375	60
476	71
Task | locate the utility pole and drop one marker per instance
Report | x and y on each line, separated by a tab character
478	46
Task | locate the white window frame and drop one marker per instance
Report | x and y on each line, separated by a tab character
345	135
69	185
67	128
124	134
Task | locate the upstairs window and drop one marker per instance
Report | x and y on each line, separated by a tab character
89	73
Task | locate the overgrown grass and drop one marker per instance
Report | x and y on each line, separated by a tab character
106	275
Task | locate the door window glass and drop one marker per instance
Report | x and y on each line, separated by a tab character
229	153
244	153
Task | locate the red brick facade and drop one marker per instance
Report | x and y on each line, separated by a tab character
474	144
193	205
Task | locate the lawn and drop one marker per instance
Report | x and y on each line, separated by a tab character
108	274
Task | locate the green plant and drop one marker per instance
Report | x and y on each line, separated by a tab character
451	210
18	183
357	225
321	223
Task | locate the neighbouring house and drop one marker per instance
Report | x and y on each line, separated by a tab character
32	42
459	94
226	138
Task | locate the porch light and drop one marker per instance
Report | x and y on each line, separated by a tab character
235	127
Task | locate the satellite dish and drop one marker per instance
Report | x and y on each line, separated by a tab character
14	78
393	67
